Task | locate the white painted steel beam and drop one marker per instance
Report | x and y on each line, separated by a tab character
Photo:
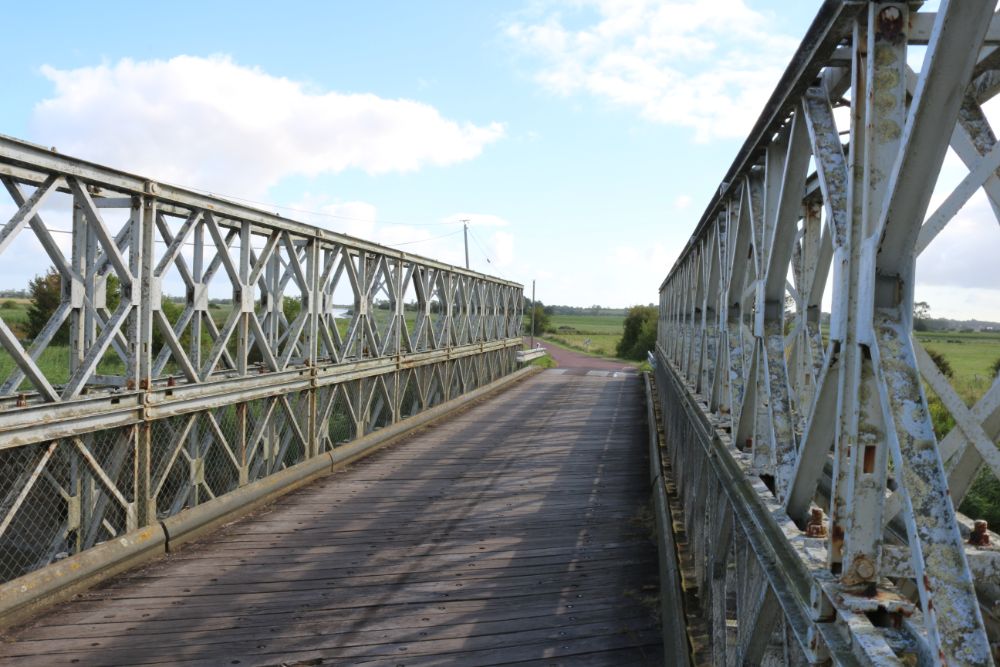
158	407
828	424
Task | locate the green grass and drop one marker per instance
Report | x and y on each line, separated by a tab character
600	345
545	362
596	335
590	324
971	354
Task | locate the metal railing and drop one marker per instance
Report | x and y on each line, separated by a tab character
280	342
819	503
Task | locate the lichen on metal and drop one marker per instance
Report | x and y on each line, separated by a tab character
836	429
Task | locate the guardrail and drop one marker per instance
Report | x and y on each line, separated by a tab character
282	341
524	356
820	505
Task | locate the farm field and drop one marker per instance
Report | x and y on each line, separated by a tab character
970	353
971	356
593	324
593	334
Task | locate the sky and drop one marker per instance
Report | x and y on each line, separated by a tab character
582	139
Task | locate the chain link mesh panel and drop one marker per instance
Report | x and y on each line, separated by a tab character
61	497
230	336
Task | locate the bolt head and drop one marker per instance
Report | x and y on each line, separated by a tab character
890	14
864	567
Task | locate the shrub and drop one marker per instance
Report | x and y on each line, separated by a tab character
543	322
940	416
8	305
983	499
291	306
941	362
639	335
995	368
46	294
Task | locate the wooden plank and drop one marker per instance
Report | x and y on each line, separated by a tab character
512	533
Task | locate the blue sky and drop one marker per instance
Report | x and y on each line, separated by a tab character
582	138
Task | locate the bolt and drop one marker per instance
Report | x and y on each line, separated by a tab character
816	526
890	23
864	567
980	534
890	14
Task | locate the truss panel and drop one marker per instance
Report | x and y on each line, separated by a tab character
806	443
200	345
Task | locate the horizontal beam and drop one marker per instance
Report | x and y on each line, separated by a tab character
30	163
50	421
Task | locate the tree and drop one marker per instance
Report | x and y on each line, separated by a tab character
543	320
45	292
921	313
639	333
291	306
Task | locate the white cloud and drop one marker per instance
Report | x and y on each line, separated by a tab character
440	240
354	218
682	202
709	65
625	275
964	254
214	124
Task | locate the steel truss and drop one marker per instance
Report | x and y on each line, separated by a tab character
819	505
152	407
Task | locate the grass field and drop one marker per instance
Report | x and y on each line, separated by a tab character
592	334
590	324
971	354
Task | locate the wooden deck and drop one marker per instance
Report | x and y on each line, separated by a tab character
513	533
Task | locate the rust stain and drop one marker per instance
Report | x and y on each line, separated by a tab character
890	24
980	535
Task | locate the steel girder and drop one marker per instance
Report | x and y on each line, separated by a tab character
134	402
808	448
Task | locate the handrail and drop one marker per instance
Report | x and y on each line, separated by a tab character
283	342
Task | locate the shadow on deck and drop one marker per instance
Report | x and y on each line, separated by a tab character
515	532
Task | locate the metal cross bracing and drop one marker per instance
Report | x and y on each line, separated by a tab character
152	405
819	504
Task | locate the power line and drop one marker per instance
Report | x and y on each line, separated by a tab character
481	249
432	238
322	213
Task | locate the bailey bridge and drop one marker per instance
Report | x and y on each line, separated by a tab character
344	459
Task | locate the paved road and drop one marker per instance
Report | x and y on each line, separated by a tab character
570	359
511	534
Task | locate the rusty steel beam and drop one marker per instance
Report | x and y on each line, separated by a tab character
816	442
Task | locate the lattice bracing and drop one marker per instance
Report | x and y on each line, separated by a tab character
808	444
200	345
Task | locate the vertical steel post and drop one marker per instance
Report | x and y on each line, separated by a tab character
145	219
532	314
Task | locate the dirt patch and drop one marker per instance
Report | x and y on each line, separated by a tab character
570	359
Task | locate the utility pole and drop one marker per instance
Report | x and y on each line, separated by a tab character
465	228
532	314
